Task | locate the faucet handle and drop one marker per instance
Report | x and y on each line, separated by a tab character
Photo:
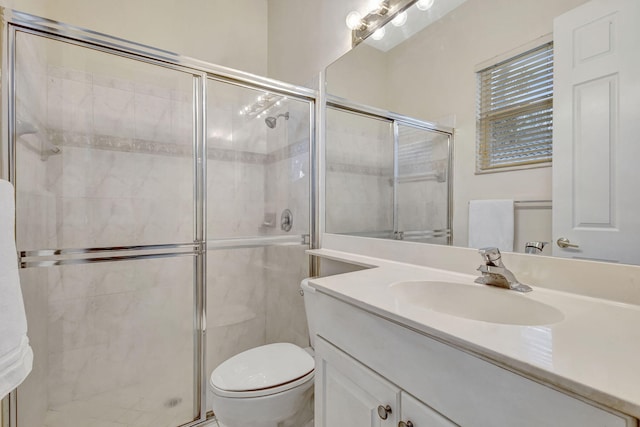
491	255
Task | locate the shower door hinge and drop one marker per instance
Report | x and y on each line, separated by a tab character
200	246
306	239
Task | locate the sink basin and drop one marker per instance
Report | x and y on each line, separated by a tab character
485	303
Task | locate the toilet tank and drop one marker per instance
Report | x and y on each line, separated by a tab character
309	294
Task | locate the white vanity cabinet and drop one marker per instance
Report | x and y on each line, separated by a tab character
364	361
414	413
348	394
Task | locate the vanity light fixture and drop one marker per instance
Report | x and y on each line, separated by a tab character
373	22
424	4
354	20
379	7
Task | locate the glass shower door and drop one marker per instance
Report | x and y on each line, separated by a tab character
422	185
258	184
105	172
359	174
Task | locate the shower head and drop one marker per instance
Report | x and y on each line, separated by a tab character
271	121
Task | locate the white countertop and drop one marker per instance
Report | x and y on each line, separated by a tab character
593	352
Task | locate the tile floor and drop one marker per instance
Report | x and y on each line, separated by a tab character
128	407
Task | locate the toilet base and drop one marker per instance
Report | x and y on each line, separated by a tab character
291	408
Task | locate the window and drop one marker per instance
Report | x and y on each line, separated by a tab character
515	111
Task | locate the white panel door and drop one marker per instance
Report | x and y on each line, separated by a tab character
347	394
596	141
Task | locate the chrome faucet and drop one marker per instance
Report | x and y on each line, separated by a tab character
494	272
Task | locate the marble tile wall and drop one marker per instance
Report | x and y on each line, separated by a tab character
31	196
287	172
100	104
359	179
124	162
422	191
115	325
235	198
125	176
236	309
252	171
35	294
287	187
286	318
359	188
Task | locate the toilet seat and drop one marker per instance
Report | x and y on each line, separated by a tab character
265	391
262	371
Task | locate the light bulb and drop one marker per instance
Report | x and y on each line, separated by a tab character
376	6
400	20
354	20
424	4
378	34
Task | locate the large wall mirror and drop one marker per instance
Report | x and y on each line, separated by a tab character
572	70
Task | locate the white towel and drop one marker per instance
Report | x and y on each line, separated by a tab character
491	224
16	357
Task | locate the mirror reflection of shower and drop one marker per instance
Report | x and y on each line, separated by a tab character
46	149
272	121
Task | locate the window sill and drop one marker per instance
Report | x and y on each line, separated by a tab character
514	168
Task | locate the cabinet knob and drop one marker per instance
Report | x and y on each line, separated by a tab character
384	411
403	424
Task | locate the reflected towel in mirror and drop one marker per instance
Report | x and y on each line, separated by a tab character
491	224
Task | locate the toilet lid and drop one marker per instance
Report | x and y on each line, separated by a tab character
262	367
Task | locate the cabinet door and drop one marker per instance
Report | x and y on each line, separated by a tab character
350	395
416	414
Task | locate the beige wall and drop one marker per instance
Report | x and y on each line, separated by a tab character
229	33
307	35
367	74
288	40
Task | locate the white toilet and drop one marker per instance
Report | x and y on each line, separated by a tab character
267	386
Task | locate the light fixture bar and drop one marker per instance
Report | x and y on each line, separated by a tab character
264	103
378	18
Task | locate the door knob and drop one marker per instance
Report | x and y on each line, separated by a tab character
403	424
384	411
563	242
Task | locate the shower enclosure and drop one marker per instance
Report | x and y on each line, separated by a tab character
162	222
387	175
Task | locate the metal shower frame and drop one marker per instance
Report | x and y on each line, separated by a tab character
396	120
11	23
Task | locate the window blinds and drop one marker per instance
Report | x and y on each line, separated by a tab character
415	151
515	111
